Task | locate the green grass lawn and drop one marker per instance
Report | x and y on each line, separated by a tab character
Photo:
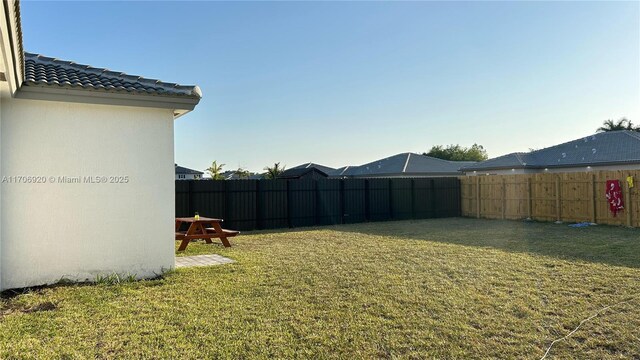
442	288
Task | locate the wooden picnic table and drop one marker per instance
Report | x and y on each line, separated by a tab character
202	228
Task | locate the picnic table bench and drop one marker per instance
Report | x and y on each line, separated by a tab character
202	228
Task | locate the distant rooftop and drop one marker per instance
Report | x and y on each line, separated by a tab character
324	169
184	170
606	148
339	171
405	164
299	171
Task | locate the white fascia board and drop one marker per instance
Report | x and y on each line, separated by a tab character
180	105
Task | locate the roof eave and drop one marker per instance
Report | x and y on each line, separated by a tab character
500	168
180	104
408	174
11	44
596	163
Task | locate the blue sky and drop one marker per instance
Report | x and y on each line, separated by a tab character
344	83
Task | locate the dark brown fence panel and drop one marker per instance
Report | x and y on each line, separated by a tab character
272	210
328	211
423	198
302	202
241	205
401	199
271	204
447	197
354	205
379	202
182	199
208	198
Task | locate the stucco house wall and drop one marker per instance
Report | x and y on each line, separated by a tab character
55	230
86	164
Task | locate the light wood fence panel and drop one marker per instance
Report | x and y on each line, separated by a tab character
568	197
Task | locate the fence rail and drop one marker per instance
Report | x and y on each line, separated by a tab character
570	197
271	204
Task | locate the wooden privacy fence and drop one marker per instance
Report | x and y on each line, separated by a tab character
270	204
569	197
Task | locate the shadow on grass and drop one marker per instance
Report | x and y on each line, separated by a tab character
611	245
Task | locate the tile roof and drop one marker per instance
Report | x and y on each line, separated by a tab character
606	148
406	164
45	71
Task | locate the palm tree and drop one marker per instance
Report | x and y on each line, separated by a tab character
274	171
622	124
215	171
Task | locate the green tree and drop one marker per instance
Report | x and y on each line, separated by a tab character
458	153
622	124
242	173
215	170
273	171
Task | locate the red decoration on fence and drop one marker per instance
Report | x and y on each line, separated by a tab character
614	196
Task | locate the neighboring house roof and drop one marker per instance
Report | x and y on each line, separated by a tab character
298	172
407	164
606	148
233	175
322	168
42	70
183	171
339	171
509	161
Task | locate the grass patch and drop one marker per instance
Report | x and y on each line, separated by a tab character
442	288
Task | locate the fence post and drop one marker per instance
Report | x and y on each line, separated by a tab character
504	199
592	198
558	201
627	197
469	186
478	196
529	199
459	188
